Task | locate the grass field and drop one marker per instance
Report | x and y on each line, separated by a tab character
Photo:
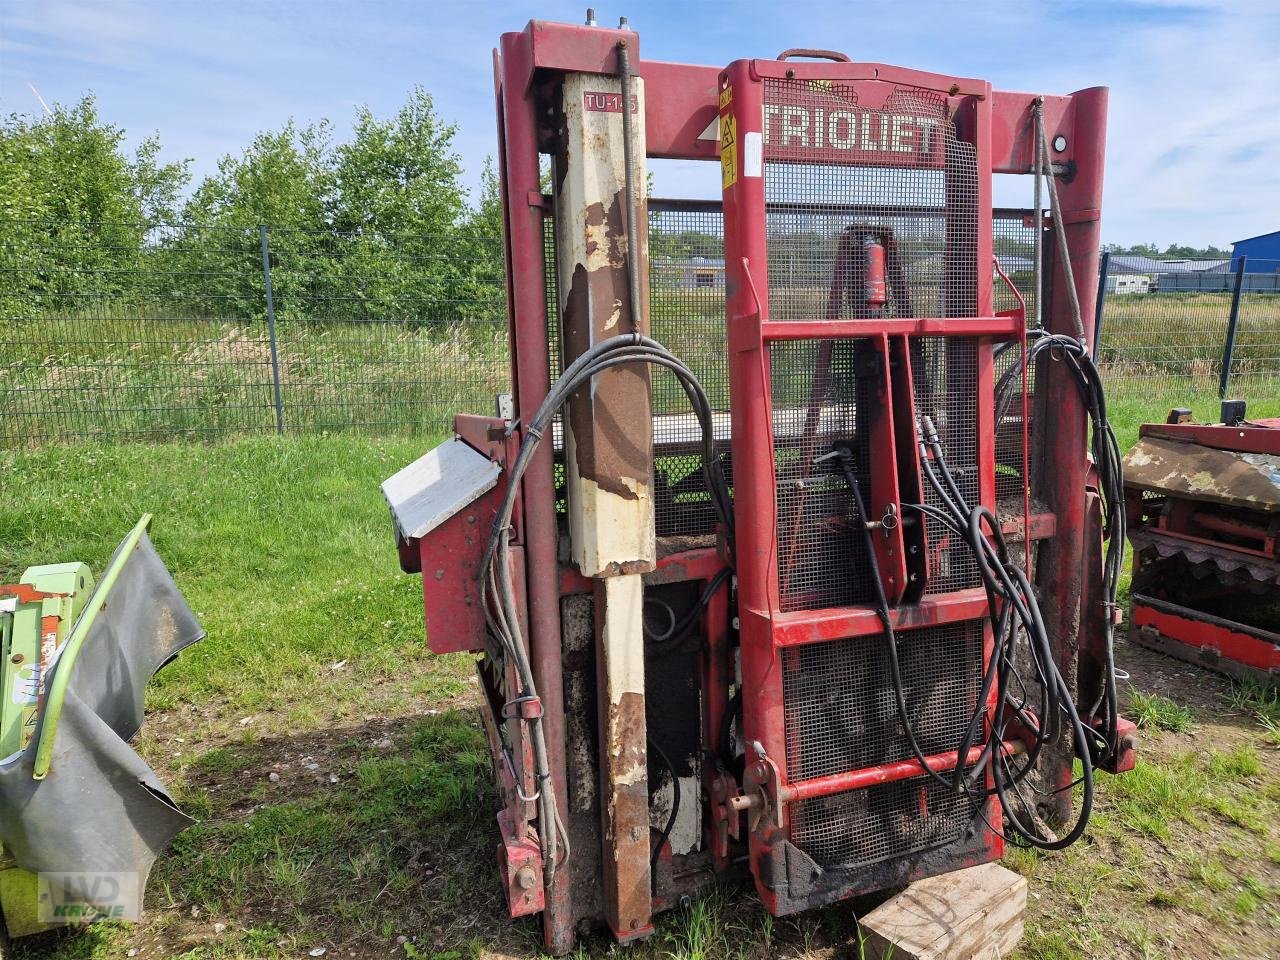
144	370
341	778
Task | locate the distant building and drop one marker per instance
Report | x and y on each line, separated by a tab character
1128	283
1261	253
689	273
1133	263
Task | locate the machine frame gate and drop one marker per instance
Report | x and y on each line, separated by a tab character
683	120
769	628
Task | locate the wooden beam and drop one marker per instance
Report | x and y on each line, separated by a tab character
972	914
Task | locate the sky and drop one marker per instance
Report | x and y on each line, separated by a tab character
1193	151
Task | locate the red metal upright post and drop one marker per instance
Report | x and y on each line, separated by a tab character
531	373
1064	471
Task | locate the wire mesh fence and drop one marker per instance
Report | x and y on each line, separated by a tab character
121	331
1179	333
132	333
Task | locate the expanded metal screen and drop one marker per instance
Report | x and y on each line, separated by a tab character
687	315
921	194
841	715
821	562
944	372
1014	246
840	708
890	820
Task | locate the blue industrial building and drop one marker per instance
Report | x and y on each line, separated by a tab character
1261	253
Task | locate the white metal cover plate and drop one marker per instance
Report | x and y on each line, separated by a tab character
437	485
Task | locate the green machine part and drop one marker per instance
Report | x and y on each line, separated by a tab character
29	636
31	630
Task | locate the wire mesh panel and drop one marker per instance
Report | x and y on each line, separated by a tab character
841	715
1013	242
915	184
821	562
944	372
384	332
687	315
120	330
890	820
839	704
1256	352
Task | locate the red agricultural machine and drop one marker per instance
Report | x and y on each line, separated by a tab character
776	562
1204	520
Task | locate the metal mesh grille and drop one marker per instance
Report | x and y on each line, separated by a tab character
840	708
1015	250
1013	242
686	314
835	170
890	820
944	372
840	715
815	405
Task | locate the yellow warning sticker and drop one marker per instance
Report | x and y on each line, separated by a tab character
726	97
728	151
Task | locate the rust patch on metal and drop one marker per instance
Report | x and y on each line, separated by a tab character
610	430
1203	473
626	817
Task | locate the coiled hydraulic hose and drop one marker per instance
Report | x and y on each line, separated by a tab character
498	595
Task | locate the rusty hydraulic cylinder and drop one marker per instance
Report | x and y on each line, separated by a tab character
608	453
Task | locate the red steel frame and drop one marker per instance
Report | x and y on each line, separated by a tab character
766	629
681	102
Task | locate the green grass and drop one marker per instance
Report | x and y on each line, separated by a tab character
1156	712
315	655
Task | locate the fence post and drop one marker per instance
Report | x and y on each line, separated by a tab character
1104	266
271	328
1233	321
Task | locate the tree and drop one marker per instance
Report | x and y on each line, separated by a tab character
399	175
70	166
283	178
83	208
1174	251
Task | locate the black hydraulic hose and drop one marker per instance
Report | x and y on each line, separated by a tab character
1006	582
671	817
725	747
681	626
1107	459
497	590
845	455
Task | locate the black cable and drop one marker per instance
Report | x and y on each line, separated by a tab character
1014	612
845	456
671	817
1107	460
680	627
732	711
498	596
